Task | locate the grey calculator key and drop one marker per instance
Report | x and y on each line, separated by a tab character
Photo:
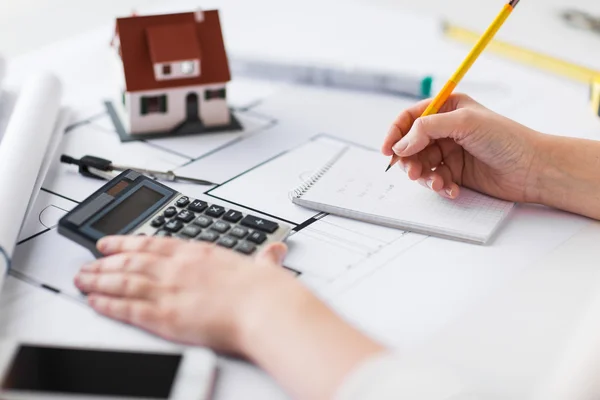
191	231
170	212
183	201
182	237
158	221
174	226
220	226
233	216
257	237
203	222
186	216
260	223
215	211
227	242
208	236
198	206
162	233
239	232
246	248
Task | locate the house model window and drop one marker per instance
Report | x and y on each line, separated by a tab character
215	94
175	51
187	67
153	105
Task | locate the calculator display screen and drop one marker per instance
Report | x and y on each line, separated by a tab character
127	211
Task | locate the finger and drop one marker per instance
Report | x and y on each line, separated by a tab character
117	284
402	124
454	125
273	254
431	157
136	263
139	244
432	181
449	189
405	121
135	312
413	168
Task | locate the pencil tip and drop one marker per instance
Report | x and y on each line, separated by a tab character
388	168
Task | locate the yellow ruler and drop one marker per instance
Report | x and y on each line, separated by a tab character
525	56
595	95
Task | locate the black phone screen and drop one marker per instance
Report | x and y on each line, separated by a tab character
92	372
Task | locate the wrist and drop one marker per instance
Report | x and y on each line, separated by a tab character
537	188
273	298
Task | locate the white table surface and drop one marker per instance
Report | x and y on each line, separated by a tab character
26	25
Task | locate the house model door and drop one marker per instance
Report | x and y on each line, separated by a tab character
192	108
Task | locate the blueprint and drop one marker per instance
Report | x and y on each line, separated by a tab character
398	286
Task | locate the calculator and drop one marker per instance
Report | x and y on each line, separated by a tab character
134	204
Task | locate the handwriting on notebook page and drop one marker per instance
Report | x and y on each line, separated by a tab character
385	194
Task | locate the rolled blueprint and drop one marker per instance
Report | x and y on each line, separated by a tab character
23	155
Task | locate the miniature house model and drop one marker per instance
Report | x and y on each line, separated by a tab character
173	72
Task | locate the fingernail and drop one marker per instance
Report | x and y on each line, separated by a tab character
430	184
106	245
280	255
449	192
400	146
81	280
89	267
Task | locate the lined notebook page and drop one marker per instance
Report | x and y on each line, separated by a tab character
355	185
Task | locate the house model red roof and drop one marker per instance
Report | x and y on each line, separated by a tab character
147	40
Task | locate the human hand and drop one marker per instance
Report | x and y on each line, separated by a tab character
203	295
192	293
465	144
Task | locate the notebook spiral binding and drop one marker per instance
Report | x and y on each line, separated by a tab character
303	188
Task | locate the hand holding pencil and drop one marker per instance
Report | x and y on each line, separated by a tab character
437	103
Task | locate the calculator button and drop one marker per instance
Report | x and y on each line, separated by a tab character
203	222
198	206
227	242
260	223
257	237
174	225
183	237
183	201
246	248
170	212
158	221
215	211
191	231
208	236
162	233
239	232
233	216
220	226
186	216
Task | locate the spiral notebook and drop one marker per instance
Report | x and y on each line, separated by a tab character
353	184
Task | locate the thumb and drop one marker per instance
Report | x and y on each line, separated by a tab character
429	128
273	254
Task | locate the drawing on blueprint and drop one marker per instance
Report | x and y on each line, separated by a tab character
323	248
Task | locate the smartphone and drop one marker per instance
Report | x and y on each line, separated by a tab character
37	371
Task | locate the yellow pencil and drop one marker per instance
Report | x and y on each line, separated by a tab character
479	47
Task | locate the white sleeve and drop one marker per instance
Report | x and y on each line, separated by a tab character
389	376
